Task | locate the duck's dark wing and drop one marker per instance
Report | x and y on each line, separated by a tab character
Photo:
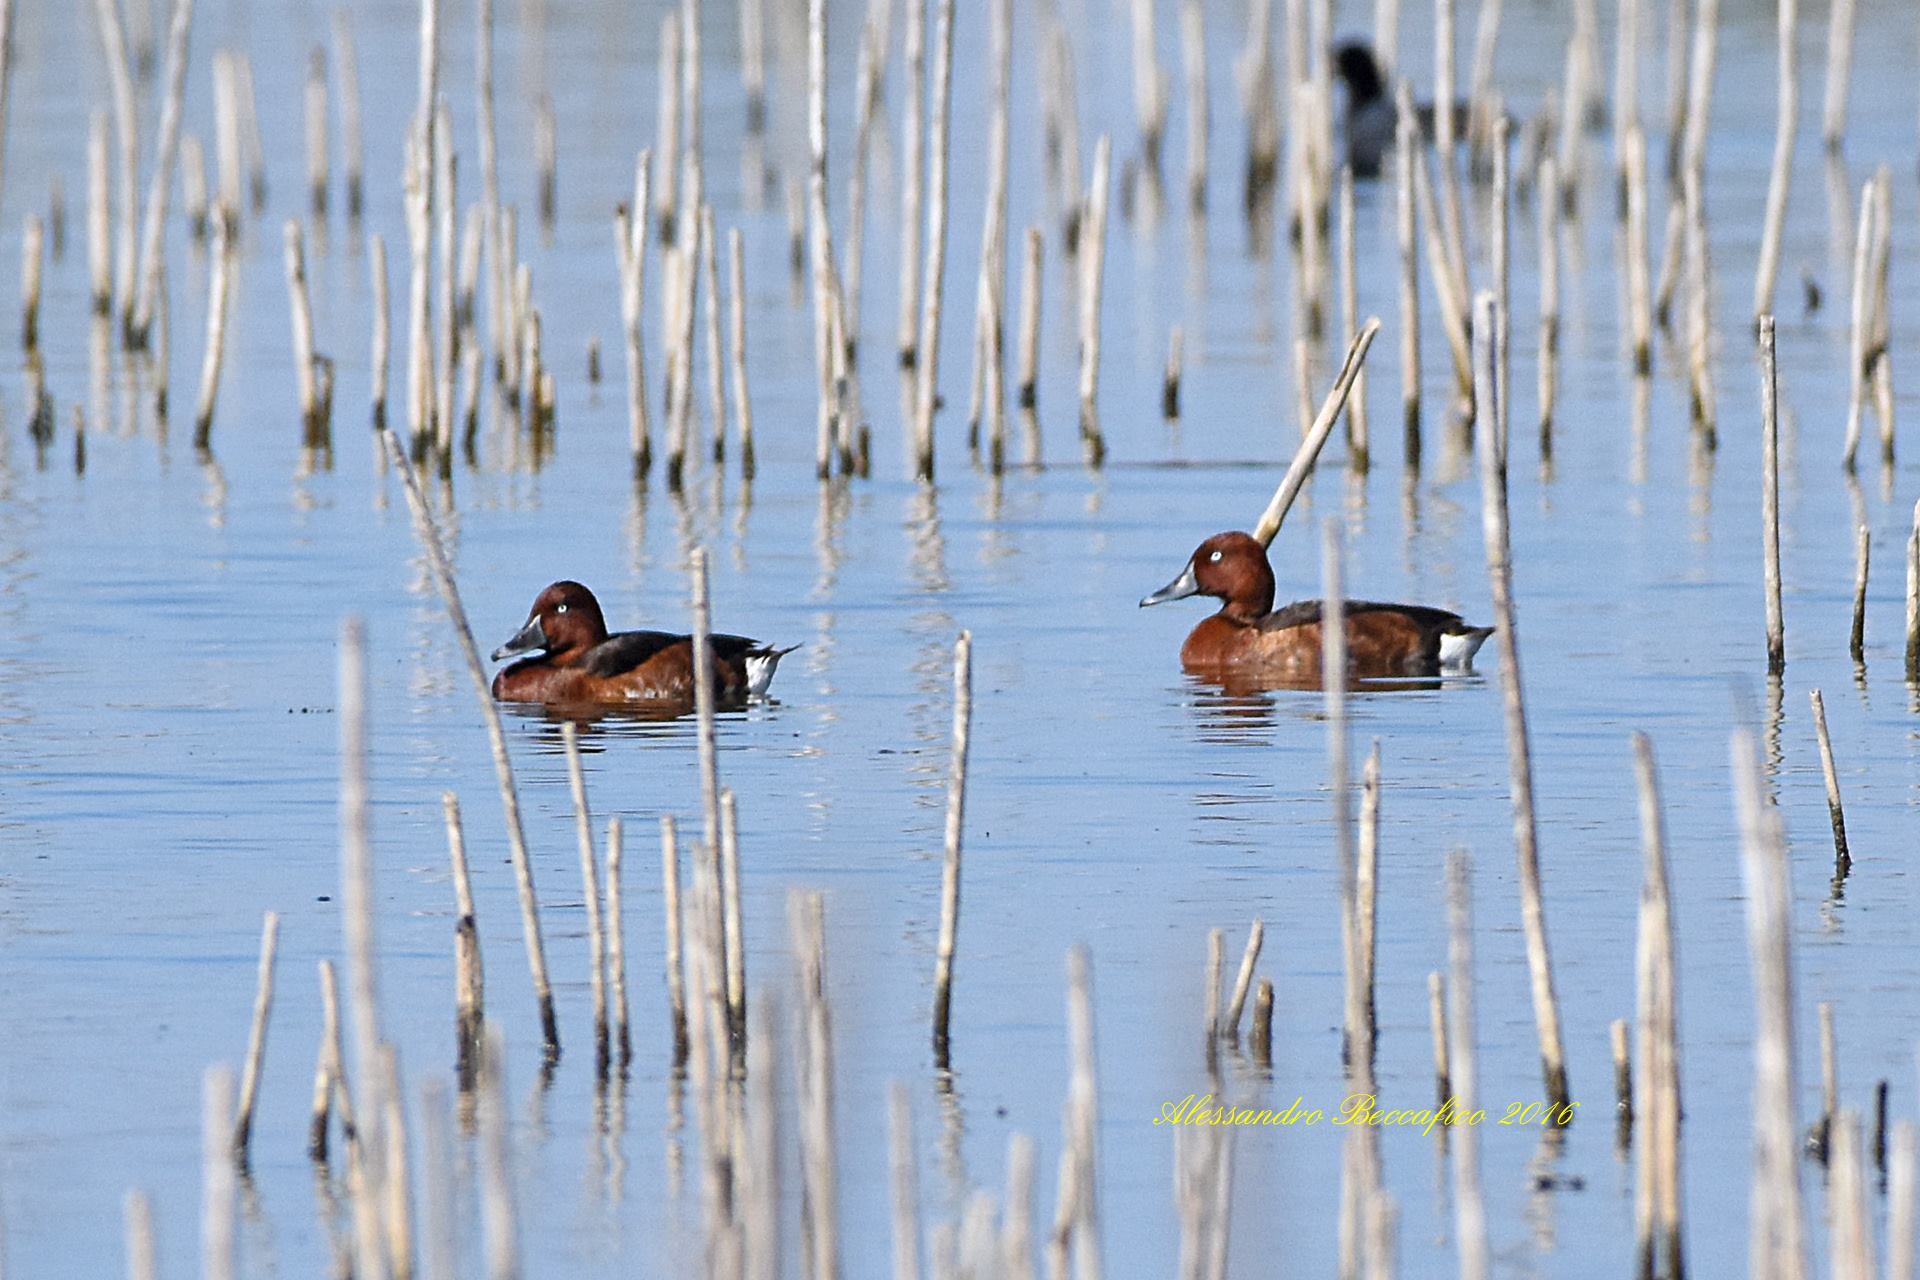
737	649
1304	612
625	650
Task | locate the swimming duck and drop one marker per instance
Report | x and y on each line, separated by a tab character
1370	110
579	662
1249	634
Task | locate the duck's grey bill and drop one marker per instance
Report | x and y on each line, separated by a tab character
1179	589
526	640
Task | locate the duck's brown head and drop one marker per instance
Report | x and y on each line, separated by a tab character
564	622
1228	566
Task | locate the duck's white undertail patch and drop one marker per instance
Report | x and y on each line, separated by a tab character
1458	647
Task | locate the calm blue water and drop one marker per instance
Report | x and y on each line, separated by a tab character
167	650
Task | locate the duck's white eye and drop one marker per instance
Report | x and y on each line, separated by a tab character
560	608
1215	557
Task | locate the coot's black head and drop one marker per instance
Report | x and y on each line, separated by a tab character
1355	64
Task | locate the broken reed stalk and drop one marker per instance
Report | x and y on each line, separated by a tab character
328	1071
193	185
1170	381
1770	496
913	142
1549	299
1501	255
1076	1226
1777	1243
733	935
1093	256
219	1175
1839	73
382	325
1657	1167
301	312
1622	1075
1243	982
347	77
1820	1141
1215	1027
316	132
950	863
903	1178
99	215
1359	452
686	278
357	937
616	933
1699	305
760	1170
1446	285
716	353
419	207
1193	52
120	82
737	349
1639	296
1706	33
1860	326
1367	876
1260	1035
1446	134
429	535
1356	1042
988	396
256	1038
1499	547
1780	178
1842	861
1316	438
137	312
820	240
676	981
1437	1024
1900	1202
865	95
544	148
1850	1219
142	1256
1913	598
226	138
438	1225
219	284
1857	636
469	974
927	345
445	206
703	696
814	1058
256	154
630	244
1150	80
32	251
1406	137
1880	367
590	888
1470	1211
499	1224
356	851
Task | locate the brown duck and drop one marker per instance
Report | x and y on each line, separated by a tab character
1249	635
576	661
